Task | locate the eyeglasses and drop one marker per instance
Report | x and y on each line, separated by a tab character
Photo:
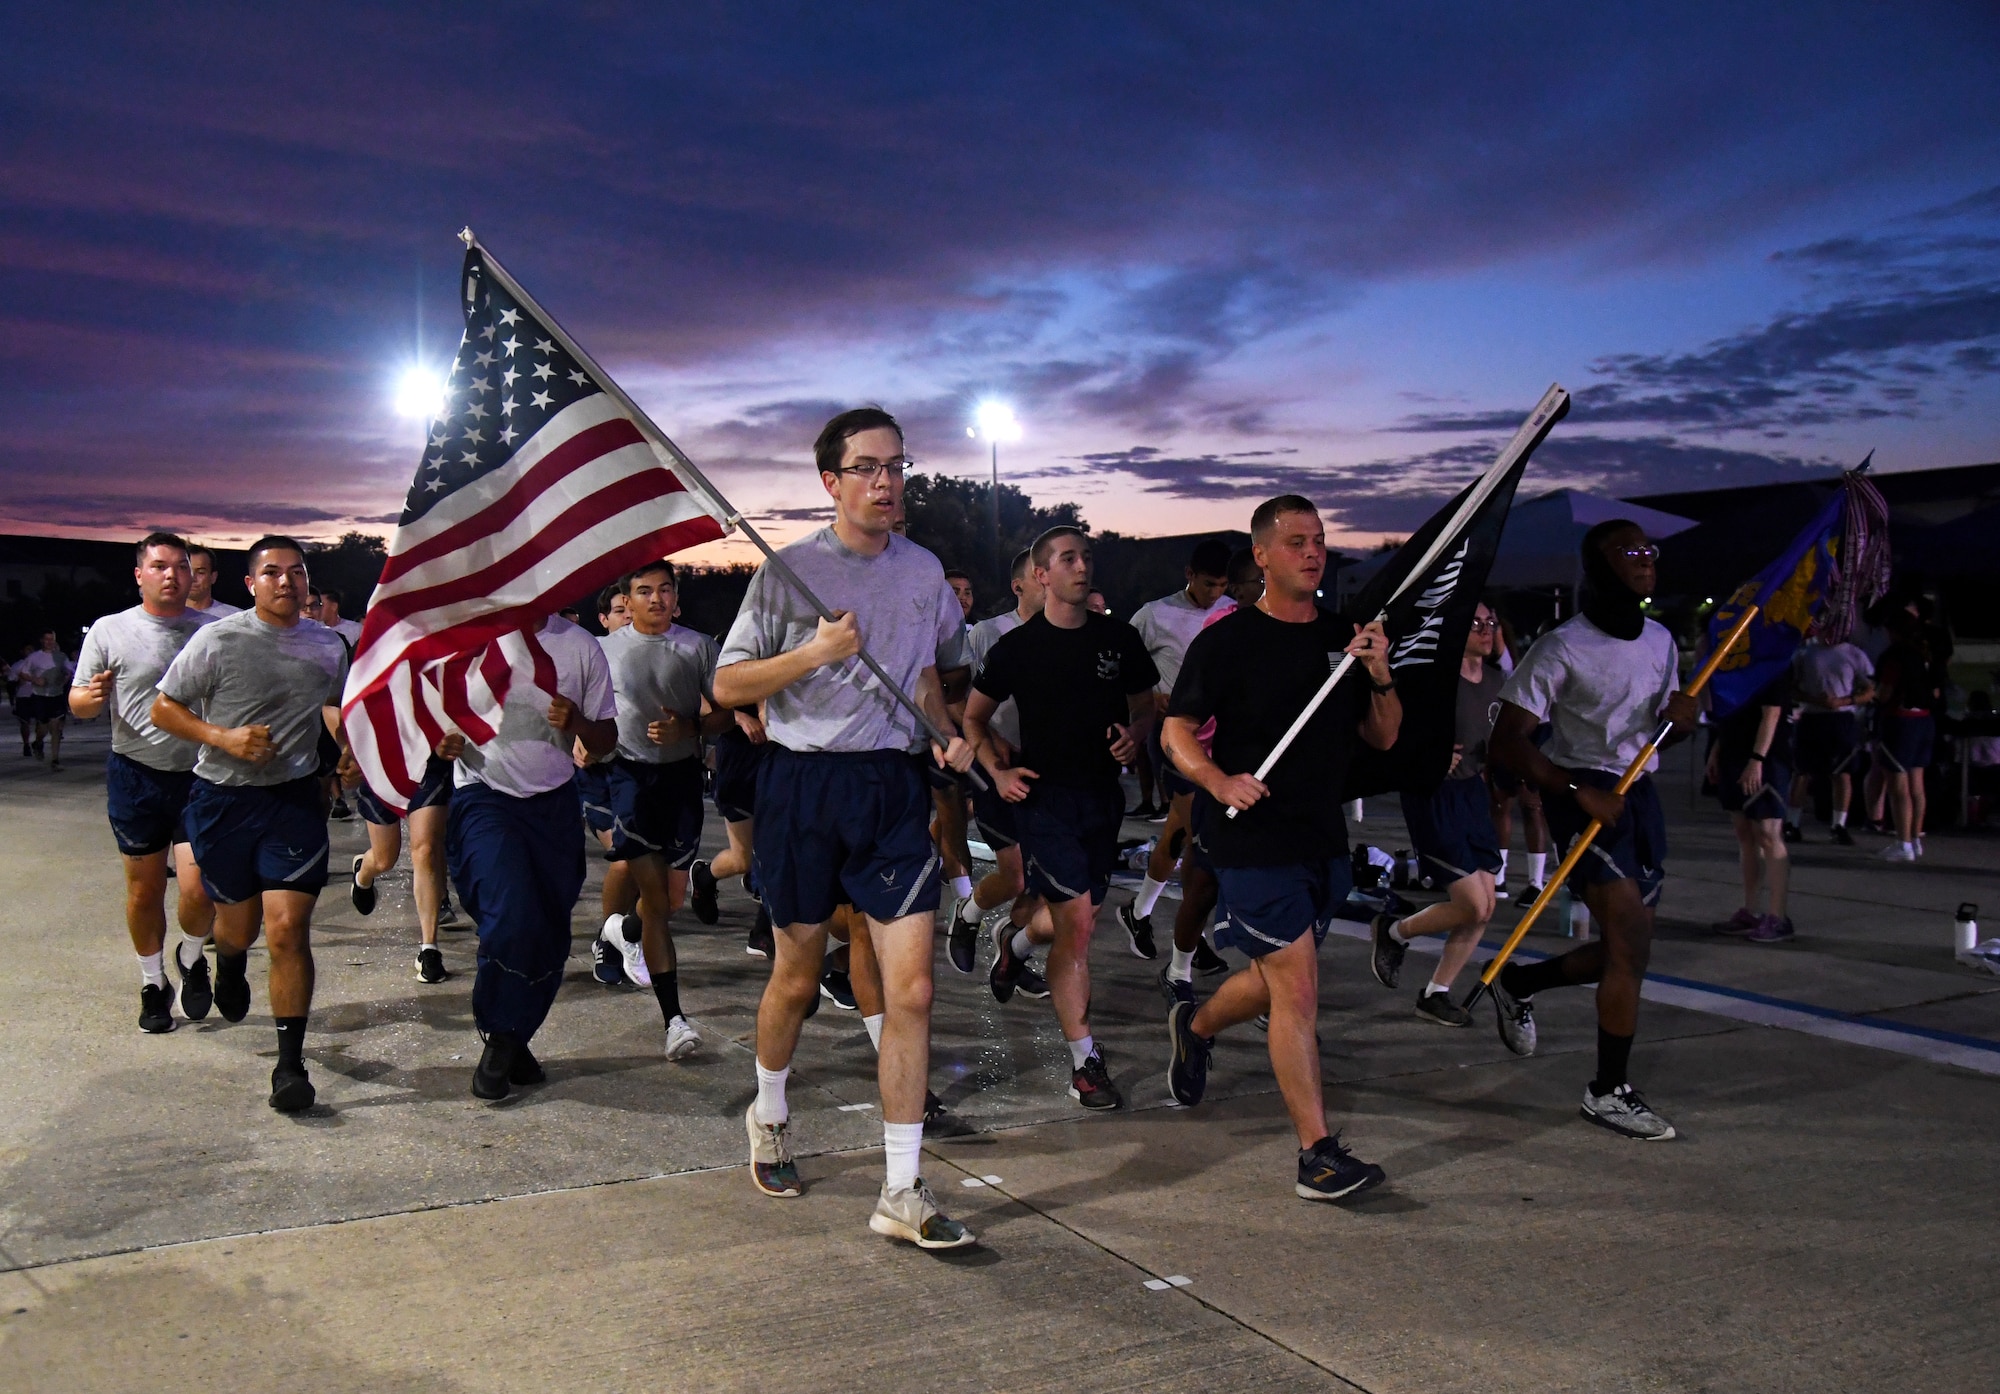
1646	553
1478	625
871	470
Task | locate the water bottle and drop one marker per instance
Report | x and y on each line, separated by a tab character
1967	926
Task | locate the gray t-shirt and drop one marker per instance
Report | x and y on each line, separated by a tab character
1478	704
910	620
244	672
136	648
1006	721
218	609
1831	670
527	756
1168	625
1601	696
653	674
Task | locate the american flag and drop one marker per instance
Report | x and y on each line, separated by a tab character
536	487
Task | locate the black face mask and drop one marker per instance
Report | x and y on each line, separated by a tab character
1608	602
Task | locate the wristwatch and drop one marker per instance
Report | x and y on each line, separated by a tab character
1379	688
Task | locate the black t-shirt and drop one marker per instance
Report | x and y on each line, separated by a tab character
1254	675
1736	734
1070	687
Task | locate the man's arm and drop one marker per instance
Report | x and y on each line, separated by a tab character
248	743
1130	739
1238	791
91	698
1370	647
598	737
751	680
958	755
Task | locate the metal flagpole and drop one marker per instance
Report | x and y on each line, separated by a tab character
731	518
1590	832
1548	411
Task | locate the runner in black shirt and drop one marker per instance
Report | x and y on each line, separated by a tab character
1082	683
1281	863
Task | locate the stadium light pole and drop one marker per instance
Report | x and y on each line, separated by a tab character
996	423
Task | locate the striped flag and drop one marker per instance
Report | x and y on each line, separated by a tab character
536	486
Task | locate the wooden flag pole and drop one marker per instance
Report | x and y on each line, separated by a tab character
1590	832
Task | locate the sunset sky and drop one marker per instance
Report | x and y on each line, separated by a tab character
1207	252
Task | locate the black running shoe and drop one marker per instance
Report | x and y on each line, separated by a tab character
1794	833
1005	975
701	894
1138	932
607	964
232	985
291	1090
450	919
1207	961
1174	989
340	813
492	1076
1090	1085
1031	983
527	1069
837	988
1329	1171
1187	1071
1144	810
940	1121
362	896
156	1009
196	992
1386	954
1438	1007
1842	836
430	964
961	941
761	943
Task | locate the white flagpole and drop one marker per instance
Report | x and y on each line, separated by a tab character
729	517
1554	402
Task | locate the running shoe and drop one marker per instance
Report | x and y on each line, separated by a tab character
607	965
912	1214
430	964
1896	852
1917	844
1144	810
1515	1016
493	1076
1159	815
1005	974
527	1069
1187	1069
1138	932
291	1090
232	985
941	1122
837	988
761	943
1500	890
622	933
340	813
1842	836
1387	951
1794	833
961	941
156	1009
1328	1171
702	894
1031	983
55	767
1532	892
1174	990
196	992
1772	929
1262	1021
1438	1007
1207	961
682	1039
771	1167
363	896
1625	1113
448	918
1742	922
1090	1084
41	745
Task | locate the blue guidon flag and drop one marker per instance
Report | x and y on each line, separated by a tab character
536	487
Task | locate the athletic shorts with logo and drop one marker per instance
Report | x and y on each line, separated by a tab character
737	761
432	790
844	826
1632	849
249	838
1069	839
146	806
1828	742
994	816
593	792
656	810
1452	830
1267	908
1905	740
1769	799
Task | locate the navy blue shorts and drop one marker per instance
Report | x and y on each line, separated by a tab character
593	792
1767	802
1267	908
994	816
1635	849
1193	853
250	838
737	761
656	810
1069	839
1452	829
145	805
844	827
432	790
1828	742
1905	741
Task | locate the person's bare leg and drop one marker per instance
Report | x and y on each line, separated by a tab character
1749	859
619	896
1461	917
660	890
1500	807
1291	979
146	902
1918	796
288	937
1843	792
950	806
385	844
1199	894
55	742
194	911
903	949
863	971
1167	846
733	860
1537	831
1069	964
798	950
1004	883
1902	806
1777	862
1875	789
1239	997
427	827
1623	952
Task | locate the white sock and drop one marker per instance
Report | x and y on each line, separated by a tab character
1538	867
1149	896
874	1025
1434	987
771	1106
1023	947
150	970
1840	818
969	911
1181	970
961	886
1396	932
1353	810
1503	868
903	1147
1080	1051
190	949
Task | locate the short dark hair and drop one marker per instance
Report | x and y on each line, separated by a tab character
606	596
200	551
1243	567
1209	558
648	569
329	593
1594	538
272	542
1048	540
1270	510
952	573
158	539
1023	559
831	447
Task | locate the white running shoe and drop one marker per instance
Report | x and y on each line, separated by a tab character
1896	852
1624	1112
682	1039
912	1215
630	952
1918	846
